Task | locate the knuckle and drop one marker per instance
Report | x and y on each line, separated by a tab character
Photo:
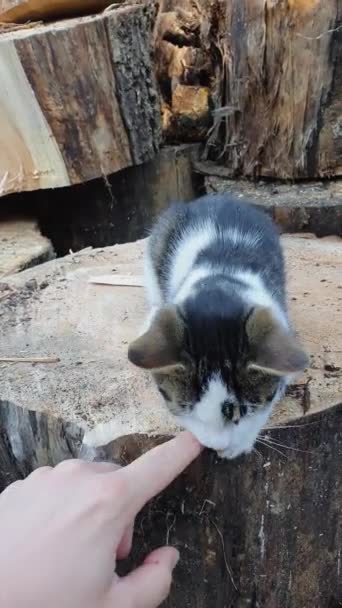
39	472
70	466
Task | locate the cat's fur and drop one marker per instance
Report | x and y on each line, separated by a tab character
218	339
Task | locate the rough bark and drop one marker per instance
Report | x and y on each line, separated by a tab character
30	439
274	71
270	523
16	11
264	531
75	103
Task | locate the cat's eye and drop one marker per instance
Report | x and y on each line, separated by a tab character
164	394
227	409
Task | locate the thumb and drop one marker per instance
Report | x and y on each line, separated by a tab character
149	585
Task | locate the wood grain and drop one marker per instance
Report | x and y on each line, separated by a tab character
75	103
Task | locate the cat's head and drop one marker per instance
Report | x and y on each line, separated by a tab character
219	375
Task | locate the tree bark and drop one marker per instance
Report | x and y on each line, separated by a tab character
264	530
75	102
274	71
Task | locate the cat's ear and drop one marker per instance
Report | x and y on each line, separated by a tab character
160	347
273	349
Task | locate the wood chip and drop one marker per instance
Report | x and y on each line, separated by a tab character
29	360
118	280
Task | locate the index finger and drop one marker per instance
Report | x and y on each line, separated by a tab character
155	470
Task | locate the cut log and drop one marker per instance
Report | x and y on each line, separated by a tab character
75	103
275	77
264	528
314	207
16	11
22	246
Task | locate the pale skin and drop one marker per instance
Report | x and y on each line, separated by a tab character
63	530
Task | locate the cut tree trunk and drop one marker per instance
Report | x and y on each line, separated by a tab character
264	530
77	99
274	72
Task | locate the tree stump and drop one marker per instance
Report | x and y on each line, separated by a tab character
264	530
78	99
274	75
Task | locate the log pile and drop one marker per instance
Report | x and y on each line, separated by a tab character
259	84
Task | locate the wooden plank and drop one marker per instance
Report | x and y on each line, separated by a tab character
75	104
16	11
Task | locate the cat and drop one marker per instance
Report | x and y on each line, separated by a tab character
218	339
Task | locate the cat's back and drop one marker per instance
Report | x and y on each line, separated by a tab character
226	213
217	230
217	221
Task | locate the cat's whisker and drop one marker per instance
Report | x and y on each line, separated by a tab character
287	447
258	453
292	426
271	447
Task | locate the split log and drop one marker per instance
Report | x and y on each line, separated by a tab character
275	76
263	530
16	11
77	99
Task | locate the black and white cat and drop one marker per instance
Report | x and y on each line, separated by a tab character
218	338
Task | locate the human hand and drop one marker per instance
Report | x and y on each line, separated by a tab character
62	530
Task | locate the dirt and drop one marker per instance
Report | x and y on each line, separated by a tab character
54	311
